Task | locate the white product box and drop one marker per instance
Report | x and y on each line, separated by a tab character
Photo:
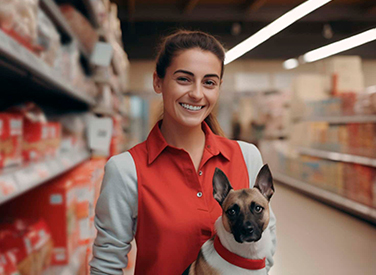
310	87
343	65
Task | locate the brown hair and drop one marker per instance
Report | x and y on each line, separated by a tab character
182	40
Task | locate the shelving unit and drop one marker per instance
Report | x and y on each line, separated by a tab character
30	176
19	59
344	119
338	156
352	207
53	12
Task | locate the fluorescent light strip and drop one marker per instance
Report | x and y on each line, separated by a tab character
340	46
273	28
291	64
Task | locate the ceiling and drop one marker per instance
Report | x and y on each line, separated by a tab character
144	22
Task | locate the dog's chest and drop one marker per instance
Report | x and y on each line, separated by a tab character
223	267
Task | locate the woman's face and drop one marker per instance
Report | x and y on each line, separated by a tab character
190	87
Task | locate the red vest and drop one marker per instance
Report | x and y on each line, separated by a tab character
176	208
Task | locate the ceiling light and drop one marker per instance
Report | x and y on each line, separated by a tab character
290	64
340	46
273	28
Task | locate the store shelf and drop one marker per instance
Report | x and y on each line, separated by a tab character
21	179
344	119
53	12
357	209
76	262
21	58
338	156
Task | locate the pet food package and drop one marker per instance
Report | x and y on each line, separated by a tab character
55	203
18	18
80	26
28	244
8	263
11	139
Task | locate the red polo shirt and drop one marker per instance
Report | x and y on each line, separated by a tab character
176	208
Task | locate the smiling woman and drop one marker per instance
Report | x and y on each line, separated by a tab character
160	192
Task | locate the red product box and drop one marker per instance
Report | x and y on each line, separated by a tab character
11	139
53	141
55	202
8	264
35	137
84	195
30	242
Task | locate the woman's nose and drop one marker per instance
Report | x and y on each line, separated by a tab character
196	92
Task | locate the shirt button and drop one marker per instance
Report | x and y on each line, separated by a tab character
200	173
199	194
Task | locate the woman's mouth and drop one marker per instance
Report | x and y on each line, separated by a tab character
191	107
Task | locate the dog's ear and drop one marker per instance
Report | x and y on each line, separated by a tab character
221	186
264	182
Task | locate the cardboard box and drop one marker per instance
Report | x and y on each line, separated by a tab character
11	139
343	65
35	139
55	202
310	87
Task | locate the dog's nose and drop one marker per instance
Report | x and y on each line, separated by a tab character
248	229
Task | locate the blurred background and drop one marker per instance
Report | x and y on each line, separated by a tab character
76	89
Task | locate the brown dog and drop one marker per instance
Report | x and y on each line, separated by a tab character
239	247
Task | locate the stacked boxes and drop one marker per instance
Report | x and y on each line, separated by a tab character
10	139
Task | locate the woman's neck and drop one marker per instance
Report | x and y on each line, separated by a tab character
191	139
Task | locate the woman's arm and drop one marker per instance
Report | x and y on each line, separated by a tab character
115	216
254	163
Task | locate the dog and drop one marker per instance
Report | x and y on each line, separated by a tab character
241	243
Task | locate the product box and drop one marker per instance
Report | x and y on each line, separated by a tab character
11	139
30	242
310	87
54	138
35	138
55	202
8	264
84	194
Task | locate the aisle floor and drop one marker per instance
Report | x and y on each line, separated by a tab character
316	239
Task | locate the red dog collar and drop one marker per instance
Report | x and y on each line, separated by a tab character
236	259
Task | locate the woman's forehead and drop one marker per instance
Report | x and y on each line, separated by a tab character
196	61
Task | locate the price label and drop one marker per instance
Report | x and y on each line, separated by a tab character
26	177
42	170
7	186
54	167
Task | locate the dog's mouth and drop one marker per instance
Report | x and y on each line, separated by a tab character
248	238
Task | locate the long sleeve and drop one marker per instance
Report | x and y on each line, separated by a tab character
254	163
115	216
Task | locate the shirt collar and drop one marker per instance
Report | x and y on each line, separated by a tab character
156	143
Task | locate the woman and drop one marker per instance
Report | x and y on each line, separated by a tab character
160	191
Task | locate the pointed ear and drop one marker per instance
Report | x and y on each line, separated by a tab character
264	182
157	83
221	186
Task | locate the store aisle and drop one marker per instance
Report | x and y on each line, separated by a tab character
317	239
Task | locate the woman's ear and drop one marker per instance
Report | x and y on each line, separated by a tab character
157	83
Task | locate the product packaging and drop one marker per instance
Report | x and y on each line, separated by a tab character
11	139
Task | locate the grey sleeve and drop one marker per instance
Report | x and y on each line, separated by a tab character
115	216
254	163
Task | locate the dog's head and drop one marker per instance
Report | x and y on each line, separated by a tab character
245	211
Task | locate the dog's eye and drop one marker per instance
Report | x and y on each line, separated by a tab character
258	209
231	212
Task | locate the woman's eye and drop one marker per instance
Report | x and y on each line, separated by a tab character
258	209
210	83
183	79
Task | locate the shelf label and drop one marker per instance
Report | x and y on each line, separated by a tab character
26	177
7	185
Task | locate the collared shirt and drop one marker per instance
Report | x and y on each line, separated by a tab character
170	210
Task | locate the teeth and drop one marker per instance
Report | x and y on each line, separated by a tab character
192	108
